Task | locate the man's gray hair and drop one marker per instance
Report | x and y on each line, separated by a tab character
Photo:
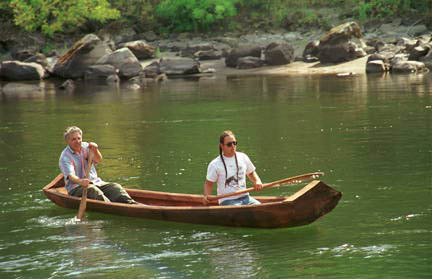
71	130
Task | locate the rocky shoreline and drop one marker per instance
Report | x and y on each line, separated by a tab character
346	49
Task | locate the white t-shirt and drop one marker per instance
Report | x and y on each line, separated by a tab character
216	173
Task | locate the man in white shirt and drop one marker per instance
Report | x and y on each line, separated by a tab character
229	171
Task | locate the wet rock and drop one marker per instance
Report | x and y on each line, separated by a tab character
83	53
16	70
99	72
279	54
114	78
376	66
249	62
179	66
152	70
235	54
68	85
409	67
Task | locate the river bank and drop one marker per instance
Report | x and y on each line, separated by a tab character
123	56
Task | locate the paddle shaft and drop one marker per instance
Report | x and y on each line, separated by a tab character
289	180
83	203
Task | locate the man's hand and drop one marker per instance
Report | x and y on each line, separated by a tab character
84	182
205	201
258	186
93	145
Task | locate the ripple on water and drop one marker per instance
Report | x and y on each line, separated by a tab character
352	250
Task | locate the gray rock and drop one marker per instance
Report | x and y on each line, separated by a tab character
311	50
376	66
418	30
124	60
279	54
38	58
152	70
235	54
249	62
16	70
419	51
427	59
99	72
68	85
409	67
208	55
337	46
190	50
179	66
140	49
83	53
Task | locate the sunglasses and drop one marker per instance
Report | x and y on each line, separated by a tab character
231	143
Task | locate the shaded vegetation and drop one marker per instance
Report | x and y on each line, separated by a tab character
164	16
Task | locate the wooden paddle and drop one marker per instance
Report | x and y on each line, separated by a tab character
83	203
289	180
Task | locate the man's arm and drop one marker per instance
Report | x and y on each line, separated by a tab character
75	179
256	180
208	187
97	154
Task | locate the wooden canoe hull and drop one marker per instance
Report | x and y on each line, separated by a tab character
304	207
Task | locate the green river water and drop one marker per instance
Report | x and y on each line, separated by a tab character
371	135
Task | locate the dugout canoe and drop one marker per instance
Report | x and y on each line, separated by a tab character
303	207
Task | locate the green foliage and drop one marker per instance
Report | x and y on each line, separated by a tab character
195	15
50	16
140	12
380	9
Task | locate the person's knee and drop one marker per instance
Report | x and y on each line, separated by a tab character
93	192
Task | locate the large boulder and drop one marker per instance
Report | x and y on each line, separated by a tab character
124	60
279	54
83	53
140	49
16	70
235	54
337	46
179	66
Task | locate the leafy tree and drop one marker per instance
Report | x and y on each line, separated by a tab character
50	16
195	15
